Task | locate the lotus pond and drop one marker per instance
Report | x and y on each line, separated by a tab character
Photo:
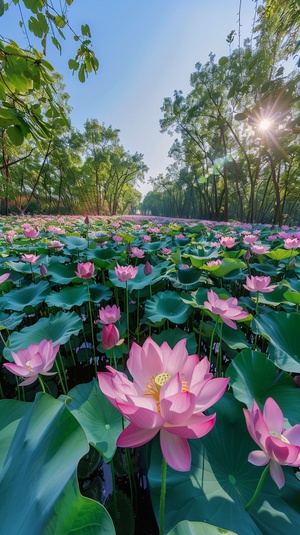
150	373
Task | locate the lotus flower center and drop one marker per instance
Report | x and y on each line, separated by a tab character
161	379
29	367
281	437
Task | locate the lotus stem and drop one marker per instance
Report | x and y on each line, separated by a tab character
258	488
163	490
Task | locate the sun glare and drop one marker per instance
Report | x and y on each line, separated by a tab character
265	124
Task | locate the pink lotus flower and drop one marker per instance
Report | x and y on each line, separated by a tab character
111	337
214	263
169	393
291	243
36	359
125	273
30	232
260	249
31	258
4	277
227	309
250	238
85	270
109	314
166	250
259	284
137	253
146	239
227	241
56	244
117	239
279	446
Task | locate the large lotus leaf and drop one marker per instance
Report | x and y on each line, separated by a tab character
281	254
166	305
202	255
39	491
235	339
68	297
11	321
102	257
99	293
198	528
196	299
31	295
188	275
282	330
222	481
20	267
265	269
74	243
274	298
172	336
228	265
254	377
100	420
141	280
58	328
62	273
292	297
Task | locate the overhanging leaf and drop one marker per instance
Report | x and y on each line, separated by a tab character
166	305
30	295
100	420
68	297
58	328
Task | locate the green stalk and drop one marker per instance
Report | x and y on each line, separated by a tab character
162	502
63	369
60	378
92	329
42	383
212	343
258	488
127	313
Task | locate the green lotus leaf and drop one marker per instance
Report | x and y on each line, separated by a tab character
47	442
172	336
68	297
99	293
235	339
10	321
62	273
282	330
254	377
141	280
292	297
281	254
20	267
74	243
203	256
222	481
274	298
265	269
31	295
100	420
166	305
188	275
198	528
58	328
102	257
228	265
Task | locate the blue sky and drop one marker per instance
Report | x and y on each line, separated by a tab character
146	49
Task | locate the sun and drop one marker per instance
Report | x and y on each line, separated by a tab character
265	124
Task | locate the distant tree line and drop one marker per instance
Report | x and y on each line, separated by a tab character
236	152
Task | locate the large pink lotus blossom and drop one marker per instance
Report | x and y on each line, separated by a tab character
227	241
259	284
136	252
30	232
85	270
259	249
291	243
111	337
214	263
279	446
227	309
125	273
250	238
36	359
109	314
169	393
31	258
